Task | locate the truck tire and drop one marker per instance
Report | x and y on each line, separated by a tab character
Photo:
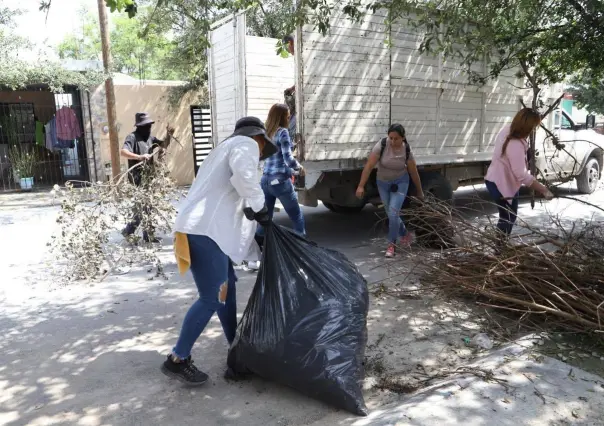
587	181
436	184
433	183
344	209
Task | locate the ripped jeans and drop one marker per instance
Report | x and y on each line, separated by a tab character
215	279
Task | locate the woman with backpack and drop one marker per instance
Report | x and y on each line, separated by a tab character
395	168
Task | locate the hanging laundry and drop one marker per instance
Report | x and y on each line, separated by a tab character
51	134
39	133
68	126
64	144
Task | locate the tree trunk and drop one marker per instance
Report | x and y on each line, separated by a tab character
109	91
532	162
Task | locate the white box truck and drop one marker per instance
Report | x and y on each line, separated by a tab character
350	86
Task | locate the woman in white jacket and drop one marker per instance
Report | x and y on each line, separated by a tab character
212	232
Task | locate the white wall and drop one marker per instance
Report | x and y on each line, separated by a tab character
267	75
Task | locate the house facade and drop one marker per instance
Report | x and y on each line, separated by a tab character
78	149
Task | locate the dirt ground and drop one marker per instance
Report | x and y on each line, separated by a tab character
90	354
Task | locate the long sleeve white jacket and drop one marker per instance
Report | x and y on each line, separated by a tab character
226	183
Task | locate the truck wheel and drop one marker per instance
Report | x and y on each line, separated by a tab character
343	209
436	184
587	181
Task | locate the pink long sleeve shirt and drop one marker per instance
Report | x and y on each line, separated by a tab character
510	170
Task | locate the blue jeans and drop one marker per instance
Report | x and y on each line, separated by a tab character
285	192
508	209
393	202
215	279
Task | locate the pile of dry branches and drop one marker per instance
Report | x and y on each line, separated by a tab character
88	244
554	274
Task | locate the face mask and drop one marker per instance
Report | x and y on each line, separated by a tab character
264	155
144	131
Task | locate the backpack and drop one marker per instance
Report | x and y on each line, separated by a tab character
407	149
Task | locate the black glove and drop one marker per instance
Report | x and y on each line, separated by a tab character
262	217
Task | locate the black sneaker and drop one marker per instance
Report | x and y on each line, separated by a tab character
185	371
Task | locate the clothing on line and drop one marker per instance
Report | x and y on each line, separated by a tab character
53	142
67	124
51	134
39	133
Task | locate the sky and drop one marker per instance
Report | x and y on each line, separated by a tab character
62	19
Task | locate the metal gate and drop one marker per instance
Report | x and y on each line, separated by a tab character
201	125
43	133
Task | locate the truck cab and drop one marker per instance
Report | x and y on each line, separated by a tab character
577	156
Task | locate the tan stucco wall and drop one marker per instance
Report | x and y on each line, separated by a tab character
152	99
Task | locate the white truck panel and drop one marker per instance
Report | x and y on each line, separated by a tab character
261	61
246	75
345	96
354	85
223	84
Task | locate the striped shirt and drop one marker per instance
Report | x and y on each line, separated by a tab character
282	163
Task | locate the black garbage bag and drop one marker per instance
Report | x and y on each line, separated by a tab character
305	324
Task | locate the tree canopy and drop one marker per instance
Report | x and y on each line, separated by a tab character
188	22
17	73
132	54
546	40
589	93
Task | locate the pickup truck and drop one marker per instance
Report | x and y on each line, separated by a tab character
579	154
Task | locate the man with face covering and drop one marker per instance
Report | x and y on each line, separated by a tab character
215	228
137	148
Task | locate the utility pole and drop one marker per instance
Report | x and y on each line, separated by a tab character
109	90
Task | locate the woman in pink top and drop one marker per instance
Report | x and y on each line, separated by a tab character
509	168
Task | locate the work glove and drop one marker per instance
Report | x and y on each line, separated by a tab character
262	217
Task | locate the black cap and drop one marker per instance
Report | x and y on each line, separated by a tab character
253	126
142	119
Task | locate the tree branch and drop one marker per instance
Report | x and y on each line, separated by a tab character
584	14
267	22
552	107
